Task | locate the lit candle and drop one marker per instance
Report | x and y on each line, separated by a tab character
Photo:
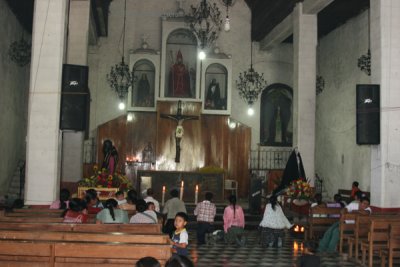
196	194
181	195
163	196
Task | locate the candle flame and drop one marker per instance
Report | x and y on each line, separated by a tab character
197	188
163	188
182	184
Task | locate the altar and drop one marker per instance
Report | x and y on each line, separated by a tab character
213	182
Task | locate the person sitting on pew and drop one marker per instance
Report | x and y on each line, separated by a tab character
354	190
77	212
144	213
120	197
111	214
62	203
338	199
93	202
148	262
131	201
318	201
329	241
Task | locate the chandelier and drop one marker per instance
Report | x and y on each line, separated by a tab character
20	52
250	83
120	78
205	21
227	22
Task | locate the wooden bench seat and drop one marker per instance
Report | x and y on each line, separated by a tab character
319	220
393	250
378	237
89	228
78	254
83	237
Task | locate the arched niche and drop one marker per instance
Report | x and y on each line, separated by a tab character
143	93
276	118
179	62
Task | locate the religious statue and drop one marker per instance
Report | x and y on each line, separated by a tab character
213	97
179	78
110	160
179	118
144	96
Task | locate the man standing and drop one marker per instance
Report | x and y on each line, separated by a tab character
205	212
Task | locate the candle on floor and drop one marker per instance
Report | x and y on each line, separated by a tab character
163	196
196	194
181	195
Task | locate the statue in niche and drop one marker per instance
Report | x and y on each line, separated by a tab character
110	160
276	114
144	97
213	98
179	78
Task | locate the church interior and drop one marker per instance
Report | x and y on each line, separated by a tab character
202	96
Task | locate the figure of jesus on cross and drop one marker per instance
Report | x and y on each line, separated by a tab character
179	118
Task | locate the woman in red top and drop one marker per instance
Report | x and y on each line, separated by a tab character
77	212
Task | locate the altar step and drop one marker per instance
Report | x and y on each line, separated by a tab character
251	220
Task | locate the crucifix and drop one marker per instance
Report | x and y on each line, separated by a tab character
179	118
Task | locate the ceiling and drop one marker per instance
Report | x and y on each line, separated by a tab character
266	14
23	10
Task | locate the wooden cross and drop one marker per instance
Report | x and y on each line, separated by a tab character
179	118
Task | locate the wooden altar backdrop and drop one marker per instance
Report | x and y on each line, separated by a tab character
206	142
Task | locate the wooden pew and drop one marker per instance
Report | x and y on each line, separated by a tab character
346	230
377	237
393	250
78	254
360	233
88	228
69	248
320	219
83	237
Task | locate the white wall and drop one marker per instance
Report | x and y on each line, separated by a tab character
144	17
14	89
338	53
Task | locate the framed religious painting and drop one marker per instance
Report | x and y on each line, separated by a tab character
145	66
216	84
180	67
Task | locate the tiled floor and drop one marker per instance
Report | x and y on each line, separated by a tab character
252	255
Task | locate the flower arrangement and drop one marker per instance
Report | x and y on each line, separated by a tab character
103	179
299	189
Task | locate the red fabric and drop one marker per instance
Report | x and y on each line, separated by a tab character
93	210
75	217
179	78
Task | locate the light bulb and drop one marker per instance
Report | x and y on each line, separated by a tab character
227	24
250	111
129	117
121	105
202	55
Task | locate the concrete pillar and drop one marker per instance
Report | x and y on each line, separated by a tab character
304	63
385	51
77	54
43	138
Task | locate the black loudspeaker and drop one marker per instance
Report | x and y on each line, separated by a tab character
75	78
368	114
75	98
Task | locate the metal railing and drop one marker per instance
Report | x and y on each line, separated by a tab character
269	159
